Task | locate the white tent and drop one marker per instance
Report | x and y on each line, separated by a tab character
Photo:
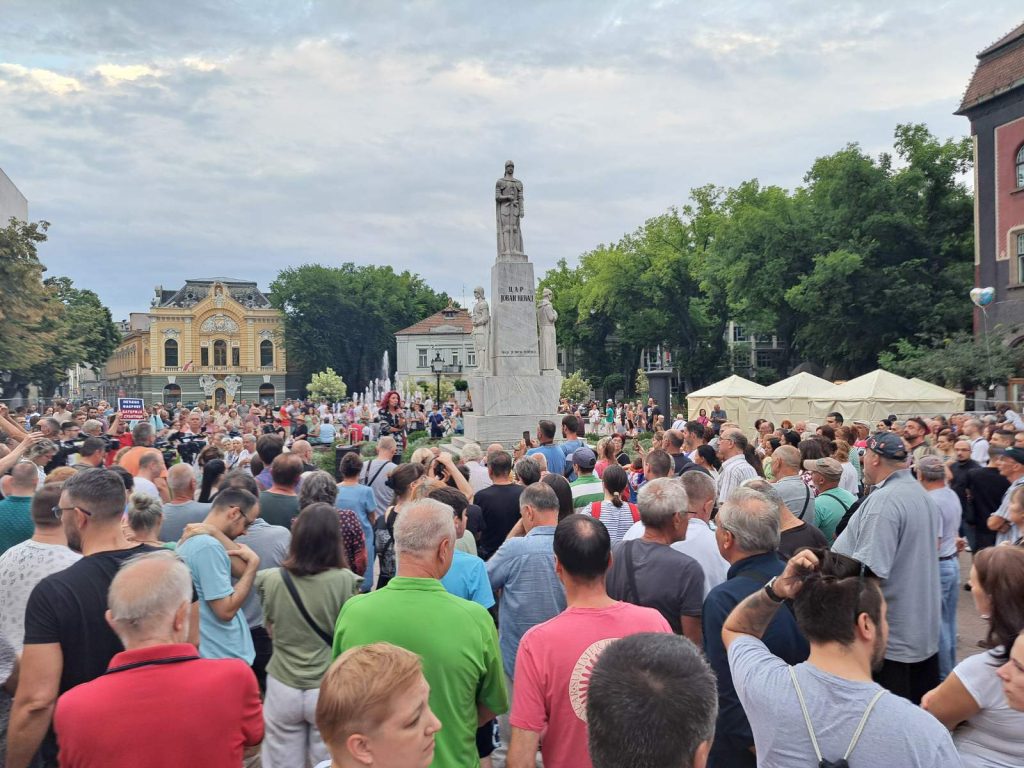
789	399
734	394
875	395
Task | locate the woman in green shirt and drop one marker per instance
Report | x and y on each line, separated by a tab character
301	601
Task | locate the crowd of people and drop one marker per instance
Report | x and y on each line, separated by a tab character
719	595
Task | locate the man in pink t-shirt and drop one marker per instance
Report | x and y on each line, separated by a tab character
549	697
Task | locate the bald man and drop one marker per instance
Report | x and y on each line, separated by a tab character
182	509
304	450
16	509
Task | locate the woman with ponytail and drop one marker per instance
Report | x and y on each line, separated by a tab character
615	512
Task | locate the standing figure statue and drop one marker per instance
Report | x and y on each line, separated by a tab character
546	317
481	316
508	196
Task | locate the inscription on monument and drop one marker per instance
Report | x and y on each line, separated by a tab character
516	293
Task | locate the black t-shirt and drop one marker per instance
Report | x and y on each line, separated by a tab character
804	535
67	607
623	459
682	463
987	488
475	521
500	507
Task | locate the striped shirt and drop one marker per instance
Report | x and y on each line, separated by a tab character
617	520
734	471
586	489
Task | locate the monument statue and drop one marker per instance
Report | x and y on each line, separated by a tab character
508	196
481	332
546	317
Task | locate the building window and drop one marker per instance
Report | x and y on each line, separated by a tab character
204	356
235	357
220	352
1020	167
1020	257
266	353
421	354
455	357
471	358
738	334
764	359
171	353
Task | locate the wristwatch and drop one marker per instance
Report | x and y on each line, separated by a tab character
771	592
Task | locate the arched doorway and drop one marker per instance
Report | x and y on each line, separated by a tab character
267	394
219	396
172	394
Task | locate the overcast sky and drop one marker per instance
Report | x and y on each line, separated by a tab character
169	140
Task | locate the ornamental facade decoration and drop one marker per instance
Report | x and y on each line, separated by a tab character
219	324
267	335
171	333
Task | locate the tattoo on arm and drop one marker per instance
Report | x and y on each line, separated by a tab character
753	615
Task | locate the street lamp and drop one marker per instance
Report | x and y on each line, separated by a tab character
437	365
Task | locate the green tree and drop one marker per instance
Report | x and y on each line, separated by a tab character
642	385
46	326
327	385
575	387
958	362
25	303
346	317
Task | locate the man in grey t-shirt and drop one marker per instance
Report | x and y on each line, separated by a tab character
832	693
790	484
181	510
895	533
377	471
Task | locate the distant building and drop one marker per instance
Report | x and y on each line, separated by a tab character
216	340
12	202
447	334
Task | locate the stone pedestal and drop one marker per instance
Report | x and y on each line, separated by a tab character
516	396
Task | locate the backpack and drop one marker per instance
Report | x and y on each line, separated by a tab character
595	511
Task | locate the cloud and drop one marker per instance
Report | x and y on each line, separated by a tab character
166	141
15	76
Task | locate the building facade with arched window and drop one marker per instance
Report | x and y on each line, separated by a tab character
216	340
994	103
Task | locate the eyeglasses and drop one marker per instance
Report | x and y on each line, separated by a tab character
58	511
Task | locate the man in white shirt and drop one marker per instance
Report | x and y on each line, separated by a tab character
247	452
732	444
472	455
979	445
151	464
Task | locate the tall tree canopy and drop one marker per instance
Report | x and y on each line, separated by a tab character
868	252
346	317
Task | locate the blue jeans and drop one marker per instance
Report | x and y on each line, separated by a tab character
949	579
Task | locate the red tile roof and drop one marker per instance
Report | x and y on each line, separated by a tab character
453	316
1000	69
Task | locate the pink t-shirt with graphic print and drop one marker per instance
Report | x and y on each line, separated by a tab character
553	669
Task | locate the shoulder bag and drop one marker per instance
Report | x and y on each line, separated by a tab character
290	586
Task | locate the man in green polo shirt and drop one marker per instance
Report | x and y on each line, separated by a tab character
455	638
832	502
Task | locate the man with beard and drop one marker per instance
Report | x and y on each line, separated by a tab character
959	470
840	609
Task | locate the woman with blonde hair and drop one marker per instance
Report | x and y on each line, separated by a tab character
143	519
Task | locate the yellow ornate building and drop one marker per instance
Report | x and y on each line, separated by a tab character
215	340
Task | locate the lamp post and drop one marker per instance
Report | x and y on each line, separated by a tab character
437	365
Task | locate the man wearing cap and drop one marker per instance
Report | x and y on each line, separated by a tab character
894	533
587	487
1011	466
832	502
931	473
